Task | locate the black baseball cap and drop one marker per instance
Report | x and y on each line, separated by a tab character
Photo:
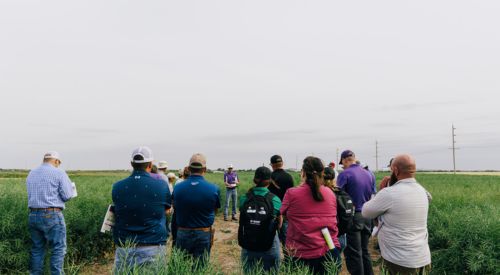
262	173
346	154
276	159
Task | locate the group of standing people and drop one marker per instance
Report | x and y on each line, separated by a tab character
275	217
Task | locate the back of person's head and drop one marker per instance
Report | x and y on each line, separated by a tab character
312	170
154	169
186	173
140	166
262	177
329	177
142	158
198	164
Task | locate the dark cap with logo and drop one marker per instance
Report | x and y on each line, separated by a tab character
276	159
262	173
346	154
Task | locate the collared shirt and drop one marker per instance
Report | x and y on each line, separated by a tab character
231	178
48	187
358	183
262	191
139	206
403	236
195	201
306	217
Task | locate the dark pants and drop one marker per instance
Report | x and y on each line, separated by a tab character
319	265
356	254
282	235
195	243
173	228
394	269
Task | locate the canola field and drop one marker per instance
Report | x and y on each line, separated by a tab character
464	221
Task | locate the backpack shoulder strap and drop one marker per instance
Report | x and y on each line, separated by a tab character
250	193
269	201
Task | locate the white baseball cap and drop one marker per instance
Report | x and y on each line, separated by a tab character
52	155
144	152
171	175
230	166
162	164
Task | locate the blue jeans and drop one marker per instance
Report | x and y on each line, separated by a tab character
126	258
230	194
196	243
268	259
47	227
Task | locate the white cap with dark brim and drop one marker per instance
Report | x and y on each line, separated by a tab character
144	152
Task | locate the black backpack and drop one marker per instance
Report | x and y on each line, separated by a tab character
345	211
258	223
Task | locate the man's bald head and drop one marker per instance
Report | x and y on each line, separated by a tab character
404	166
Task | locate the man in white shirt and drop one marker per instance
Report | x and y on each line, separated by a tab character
402	235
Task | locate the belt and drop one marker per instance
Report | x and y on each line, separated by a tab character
145	245
56	209
204	229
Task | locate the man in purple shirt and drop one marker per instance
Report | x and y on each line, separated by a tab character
231	181
358	183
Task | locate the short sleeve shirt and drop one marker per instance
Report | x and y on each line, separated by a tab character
195	201
139	206
262	191
283	180
358	183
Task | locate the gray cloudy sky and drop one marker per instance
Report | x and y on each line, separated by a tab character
242	80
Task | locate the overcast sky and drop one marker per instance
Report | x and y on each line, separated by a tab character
243	80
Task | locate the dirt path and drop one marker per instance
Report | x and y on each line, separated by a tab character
226	251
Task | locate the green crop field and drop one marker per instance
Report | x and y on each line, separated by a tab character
464	221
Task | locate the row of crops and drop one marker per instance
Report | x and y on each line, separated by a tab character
464	221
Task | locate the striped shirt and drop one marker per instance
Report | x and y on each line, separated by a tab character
48	187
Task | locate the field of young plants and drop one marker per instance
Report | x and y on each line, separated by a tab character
464	222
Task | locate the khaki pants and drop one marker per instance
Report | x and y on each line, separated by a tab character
394	269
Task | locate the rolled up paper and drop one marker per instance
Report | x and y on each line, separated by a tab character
328	237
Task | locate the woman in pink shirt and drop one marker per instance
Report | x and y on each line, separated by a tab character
309	208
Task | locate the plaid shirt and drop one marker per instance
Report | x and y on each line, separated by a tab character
48	187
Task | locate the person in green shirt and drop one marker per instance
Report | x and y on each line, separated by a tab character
260	237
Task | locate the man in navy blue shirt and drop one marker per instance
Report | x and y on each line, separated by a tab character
358	183
196	202
140	205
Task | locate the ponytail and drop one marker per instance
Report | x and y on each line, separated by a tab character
313	169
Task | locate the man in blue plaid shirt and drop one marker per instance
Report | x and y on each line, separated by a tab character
48	189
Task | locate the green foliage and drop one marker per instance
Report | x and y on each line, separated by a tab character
464	222
83	217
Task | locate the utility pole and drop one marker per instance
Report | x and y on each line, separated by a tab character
337	165
453	142
376	155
